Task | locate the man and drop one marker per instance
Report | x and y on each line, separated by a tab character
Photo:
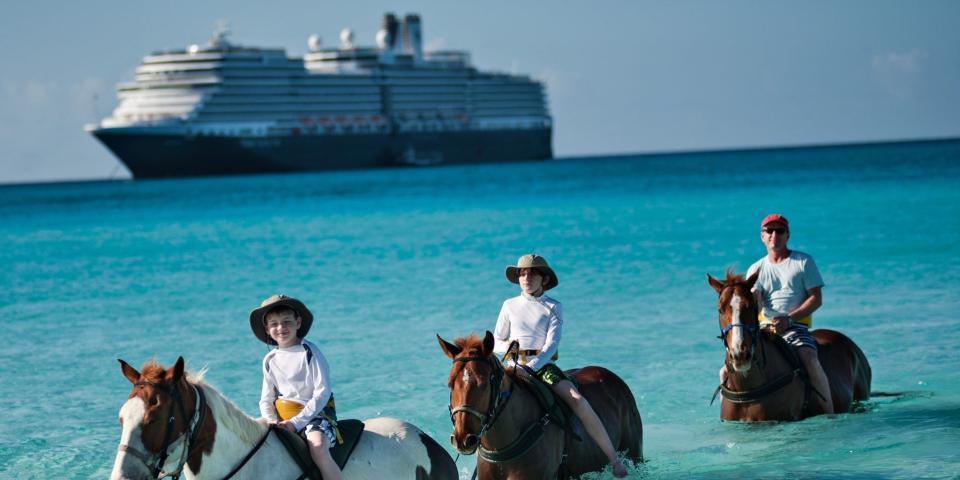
789	290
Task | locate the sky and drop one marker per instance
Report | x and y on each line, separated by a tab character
621	76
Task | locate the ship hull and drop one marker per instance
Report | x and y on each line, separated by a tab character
158	155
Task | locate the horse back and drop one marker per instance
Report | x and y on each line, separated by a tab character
614	403
846	367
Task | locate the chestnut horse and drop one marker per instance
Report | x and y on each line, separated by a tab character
765	379
173	425
497	413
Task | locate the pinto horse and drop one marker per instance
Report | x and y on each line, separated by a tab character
173	425
765	379
496	413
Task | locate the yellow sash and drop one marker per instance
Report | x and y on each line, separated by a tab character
808	320
287	409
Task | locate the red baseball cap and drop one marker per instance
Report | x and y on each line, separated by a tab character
774	218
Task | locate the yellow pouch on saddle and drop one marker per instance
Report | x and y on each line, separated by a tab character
808	320
287	409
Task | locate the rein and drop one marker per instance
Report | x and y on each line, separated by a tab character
189	435
773	386
191	432
499	399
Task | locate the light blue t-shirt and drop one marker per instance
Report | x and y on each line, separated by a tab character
784	285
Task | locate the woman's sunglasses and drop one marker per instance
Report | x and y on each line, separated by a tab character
779	231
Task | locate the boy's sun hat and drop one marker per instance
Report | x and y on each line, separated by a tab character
533	260
279	300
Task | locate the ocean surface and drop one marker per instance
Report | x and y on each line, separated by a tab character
386	259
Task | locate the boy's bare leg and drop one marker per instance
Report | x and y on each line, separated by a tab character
320	452
591	422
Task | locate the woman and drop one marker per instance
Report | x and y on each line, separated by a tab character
535	321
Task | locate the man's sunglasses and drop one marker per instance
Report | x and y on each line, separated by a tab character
779	231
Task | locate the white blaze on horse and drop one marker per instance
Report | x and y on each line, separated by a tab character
173	425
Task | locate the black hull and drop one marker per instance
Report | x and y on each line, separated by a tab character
160	156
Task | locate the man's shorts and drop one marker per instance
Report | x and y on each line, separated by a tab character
551	374
322	425
798	335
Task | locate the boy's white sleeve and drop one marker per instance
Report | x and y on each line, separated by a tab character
501	334
552	343
320	371
268	393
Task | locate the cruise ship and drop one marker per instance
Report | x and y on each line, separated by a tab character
222	108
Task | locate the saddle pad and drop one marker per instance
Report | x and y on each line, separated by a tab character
350	430
559	411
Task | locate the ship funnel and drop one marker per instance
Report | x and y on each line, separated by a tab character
391	25
412	37
387	37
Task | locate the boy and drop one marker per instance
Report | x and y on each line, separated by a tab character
296	393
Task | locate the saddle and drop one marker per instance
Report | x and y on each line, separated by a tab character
555	409
350	430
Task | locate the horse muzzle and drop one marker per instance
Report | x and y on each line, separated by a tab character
469	444
741	362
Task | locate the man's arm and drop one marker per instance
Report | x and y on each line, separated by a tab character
811	304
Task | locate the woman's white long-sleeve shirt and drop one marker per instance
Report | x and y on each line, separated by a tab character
298	373
535	322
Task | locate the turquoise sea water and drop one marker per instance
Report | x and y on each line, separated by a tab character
386	259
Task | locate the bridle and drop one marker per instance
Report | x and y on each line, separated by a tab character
498	402
755	395
187	438
753	329
498	398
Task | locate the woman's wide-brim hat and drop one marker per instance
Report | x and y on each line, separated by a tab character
533	260
276	301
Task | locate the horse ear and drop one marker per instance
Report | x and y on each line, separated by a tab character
515	348
448	348
753	279
131	373
716	284
174	373
488	343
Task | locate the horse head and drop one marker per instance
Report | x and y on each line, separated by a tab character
474	382
739	325
155	422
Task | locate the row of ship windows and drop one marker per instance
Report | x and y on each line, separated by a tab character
367	128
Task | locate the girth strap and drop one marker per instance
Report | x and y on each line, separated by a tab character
520	446
249	454
750	396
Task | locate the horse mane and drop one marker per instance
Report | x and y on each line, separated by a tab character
226	412
733	278
152	371
472	346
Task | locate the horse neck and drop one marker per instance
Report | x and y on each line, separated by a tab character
236	435
768	364
515	417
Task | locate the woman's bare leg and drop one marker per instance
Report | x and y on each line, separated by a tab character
591	422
